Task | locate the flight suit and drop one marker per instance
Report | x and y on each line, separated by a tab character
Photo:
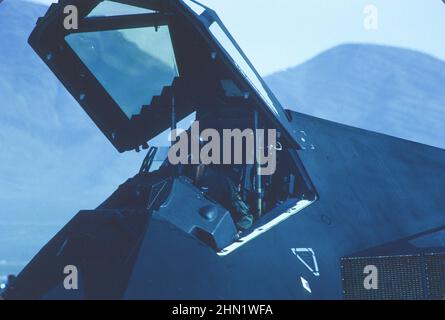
223	190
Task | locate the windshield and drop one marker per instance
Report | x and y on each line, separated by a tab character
242	64
111	8
159	158
133	82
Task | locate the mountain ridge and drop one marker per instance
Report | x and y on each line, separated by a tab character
382	95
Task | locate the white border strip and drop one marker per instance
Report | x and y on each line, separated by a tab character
260	230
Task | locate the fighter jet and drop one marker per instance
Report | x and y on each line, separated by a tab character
347	214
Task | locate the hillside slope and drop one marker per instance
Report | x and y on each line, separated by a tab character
384	89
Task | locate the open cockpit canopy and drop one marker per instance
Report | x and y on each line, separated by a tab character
129	62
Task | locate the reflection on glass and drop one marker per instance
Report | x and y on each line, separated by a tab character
241	63
111	8
164	138
159	158
133	65
196	7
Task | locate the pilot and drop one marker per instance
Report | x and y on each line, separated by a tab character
223	190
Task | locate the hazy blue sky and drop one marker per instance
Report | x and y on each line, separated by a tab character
282	33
